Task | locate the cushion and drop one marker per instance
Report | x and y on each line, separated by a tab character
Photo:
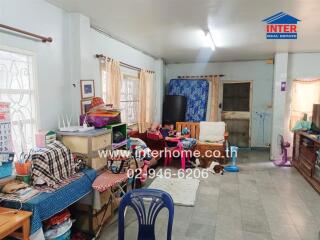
212	131
107	180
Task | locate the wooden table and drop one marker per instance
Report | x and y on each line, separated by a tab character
11	220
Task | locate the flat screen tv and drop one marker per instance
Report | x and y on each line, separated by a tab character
316	118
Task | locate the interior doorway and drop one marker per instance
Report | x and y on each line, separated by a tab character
235	111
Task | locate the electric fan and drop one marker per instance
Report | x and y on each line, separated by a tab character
284	161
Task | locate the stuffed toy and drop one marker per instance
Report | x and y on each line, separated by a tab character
215	167
185	131
154	132
155	127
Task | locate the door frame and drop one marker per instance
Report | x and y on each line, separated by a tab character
237	114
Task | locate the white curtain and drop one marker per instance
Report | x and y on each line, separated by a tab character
145	113
304	94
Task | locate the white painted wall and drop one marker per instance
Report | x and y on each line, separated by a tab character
69	58
303	65
107	46
258	71
87	42
44	19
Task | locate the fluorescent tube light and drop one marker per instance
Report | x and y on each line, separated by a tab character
210	41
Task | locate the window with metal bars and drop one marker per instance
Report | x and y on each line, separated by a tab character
129	98
17	87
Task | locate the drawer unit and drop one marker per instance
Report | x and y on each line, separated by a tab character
88	144
305	166
308	154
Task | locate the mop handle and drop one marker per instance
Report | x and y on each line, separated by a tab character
234	155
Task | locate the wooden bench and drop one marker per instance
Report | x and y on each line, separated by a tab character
202	147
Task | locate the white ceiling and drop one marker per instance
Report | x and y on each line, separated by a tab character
172	29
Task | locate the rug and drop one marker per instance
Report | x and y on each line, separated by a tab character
182	191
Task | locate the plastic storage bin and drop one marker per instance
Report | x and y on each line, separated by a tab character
6	169
63	232
65	236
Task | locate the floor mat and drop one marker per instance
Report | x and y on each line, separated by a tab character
182	191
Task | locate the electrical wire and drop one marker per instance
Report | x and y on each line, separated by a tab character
14	210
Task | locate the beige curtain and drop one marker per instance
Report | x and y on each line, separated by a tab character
103	76
145	118
214	98
304	94
113	85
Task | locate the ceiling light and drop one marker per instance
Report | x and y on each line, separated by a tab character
209	40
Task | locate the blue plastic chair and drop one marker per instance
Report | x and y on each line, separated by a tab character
146	217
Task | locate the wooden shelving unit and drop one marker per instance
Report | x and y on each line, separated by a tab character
305	158
121	127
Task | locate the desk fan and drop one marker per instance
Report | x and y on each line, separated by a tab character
284	161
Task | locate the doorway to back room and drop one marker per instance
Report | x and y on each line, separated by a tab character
236	111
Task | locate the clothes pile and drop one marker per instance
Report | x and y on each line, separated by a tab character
17	191
100	115
52	165
59	226
142	155
188	143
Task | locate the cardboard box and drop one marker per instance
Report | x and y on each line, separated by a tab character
96	198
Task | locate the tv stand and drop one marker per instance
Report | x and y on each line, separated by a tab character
305	158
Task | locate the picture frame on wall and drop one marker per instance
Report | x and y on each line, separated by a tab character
85	105
87	89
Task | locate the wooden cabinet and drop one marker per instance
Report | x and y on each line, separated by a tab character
88	144
305	158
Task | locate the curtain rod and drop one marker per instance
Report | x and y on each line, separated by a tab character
104	32
101	56
203	76
43	39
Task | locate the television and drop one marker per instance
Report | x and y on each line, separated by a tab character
316	118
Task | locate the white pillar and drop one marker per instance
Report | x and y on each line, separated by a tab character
279	101
80	58
159	90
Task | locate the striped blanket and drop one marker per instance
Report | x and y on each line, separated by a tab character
52	164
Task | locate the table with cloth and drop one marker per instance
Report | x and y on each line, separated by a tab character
45	205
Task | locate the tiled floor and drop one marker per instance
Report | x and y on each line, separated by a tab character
261	202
